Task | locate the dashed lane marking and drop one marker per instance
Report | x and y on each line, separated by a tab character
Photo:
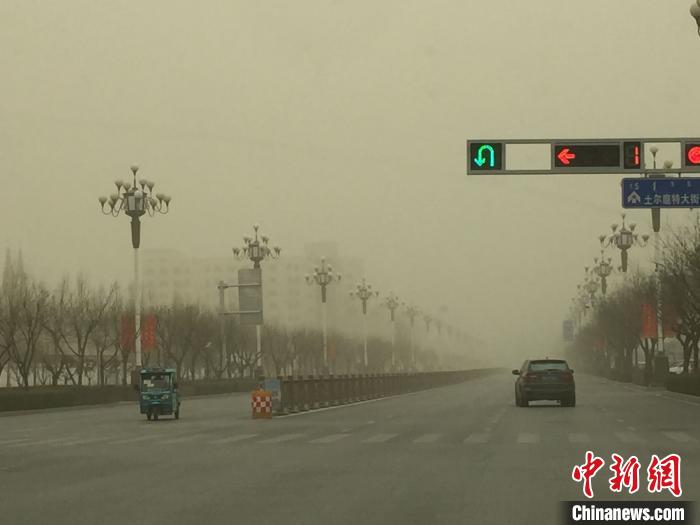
526	437
282	438
181	439
135	439
380	438
329	439
629	437
427	438
680	437
575	437
479	437
233	439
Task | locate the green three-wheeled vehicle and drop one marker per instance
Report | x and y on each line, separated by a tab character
158	393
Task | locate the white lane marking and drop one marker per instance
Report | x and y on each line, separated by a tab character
428	438
632	429
575	437
680	437
357	403
181	439
370	422
629	437
380	438
134	439
329	439
479	437
681	400
527	437
620	420
42	442
283	437
10	441
233	439
81	442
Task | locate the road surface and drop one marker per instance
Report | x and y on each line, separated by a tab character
453	455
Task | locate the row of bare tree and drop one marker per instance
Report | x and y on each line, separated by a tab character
74	334
617	330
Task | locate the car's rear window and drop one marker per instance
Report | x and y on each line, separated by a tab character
541	366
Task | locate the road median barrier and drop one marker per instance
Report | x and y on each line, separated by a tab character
684	383
303	393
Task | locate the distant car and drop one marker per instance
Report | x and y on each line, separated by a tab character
545	379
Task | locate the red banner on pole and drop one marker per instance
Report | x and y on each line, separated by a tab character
648	321
148	332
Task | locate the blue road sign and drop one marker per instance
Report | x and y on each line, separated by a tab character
661	193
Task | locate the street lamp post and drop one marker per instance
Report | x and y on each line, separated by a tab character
257	249
392	303
364	292
656	226
323	276
135	200
412	312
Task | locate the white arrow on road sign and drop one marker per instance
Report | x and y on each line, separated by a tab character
634	198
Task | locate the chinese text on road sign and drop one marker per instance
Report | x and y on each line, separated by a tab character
661	193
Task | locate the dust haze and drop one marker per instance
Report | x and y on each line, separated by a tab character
340	122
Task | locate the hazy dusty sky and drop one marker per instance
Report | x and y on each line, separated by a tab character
328	120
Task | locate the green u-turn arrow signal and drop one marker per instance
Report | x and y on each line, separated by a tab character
484	156
480	160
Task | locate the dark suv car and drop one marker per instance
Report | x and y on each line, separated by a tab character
540	379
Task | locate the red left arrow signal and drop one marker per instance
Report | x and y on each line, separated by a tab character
565	156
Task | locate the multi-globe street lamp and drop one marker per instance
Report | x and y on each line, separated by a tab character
364	293
323	276
591	287
623	238
392	303
257	249
603	268
135	199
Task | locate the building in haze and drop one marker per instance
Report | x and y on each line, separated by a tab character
287	299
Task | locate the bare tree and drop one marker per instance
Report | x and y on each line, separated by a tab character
84	310
105	338
26	307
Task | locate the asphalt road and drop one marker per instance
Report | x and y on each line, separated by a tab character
453	455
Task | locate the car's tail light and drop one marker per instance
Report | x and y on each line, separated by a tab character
530	377
568	377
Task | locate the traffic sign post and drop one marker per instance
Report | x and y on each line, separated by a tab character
568	330
661	193
577	156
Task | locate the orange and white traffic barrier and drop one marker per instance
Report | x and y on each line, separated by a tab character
261	404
